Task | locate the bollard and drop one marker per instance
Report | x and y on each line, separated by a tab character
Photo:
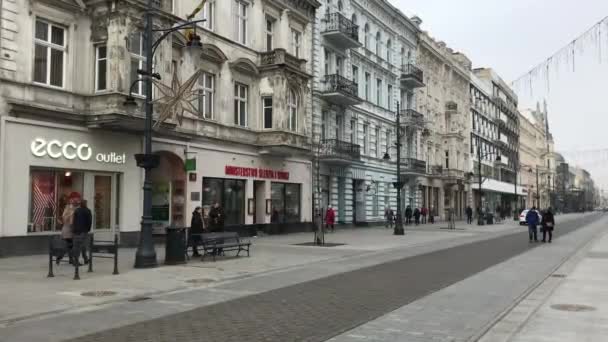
50	274
92	237
115	254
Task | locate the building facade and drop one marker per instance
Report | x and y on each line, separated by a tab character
494	143
66	69
364	65
445	143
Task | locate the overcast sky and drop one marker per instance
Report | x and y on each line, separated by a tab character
512	37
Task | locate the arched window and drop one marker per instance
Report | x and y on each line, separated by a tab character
378	43
339	5
388	51
366	38
292	105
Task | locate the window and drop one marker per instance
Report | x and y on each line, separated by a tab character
285	199
403	60
269	33
340	7
136	48
267	110
240	104
378	43
339	65
208	14
389	105
296	42
379	92
206	95
365	139
241	22
101	67
230	194
324	119
353	132
367	86
366	38
447	159
326	62
377	142
292	105
388	140
338	132
375	202
49	54
355	74
388	51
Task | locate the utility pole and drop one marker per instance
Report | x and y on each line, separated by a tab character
537	190
479	203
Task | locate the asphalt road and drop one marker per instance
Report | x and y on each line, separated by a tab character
320	309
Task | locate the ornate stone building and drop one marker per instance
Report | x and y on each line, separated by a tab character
444	102
66	68
364	64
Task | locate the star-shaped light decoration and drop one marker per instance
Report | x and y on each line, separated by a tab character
177	98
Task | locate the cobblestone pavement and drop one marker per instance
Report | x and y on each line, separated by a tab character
320	309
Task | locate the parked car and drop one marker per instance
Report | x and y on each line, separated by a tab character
522	217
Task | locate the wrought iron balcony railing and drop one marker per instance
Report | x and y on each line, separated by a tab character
340	84
413	165
338	22
338	149
410	71
411	117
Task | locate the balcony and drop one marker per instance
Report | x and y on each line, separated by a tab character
280	59
451	108
339	90
337	152
412	118
341	32
412	76
453	176
279	143
412	166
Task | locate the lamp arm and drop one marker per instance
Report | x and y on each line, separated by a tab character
170	30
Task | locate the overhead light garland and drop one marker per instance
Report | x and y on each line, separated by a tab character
595	39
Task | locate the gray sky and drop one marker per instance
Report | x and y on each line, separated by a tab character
515	35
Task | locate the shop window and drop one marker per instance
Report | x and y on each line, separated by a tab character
230	194
285	202
49	194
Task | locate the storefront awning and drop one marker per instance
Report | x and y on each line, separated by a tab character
497	186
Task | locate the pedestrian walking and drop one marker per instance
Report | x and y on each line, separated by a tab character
417	216
469	212
424	212
330	218
66	221
197	227
548	224
83	220
432	215
389	217
408	215
532	221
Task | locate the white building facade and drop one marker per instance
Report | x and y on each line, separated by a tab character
66	68
364	64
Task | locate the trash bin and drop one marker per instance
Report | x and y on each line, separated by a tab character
489	218
175	246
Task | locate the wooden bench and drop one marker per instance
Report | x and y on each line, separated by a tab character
213	243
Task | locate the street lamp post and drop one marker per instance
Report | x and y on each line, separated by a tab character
145	256
480	180
398	230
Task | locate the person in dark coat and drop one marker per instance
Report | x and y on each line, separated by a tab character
408	215
197	227
532	221
81	226
424	212
216	218
548	225
469	212
417	216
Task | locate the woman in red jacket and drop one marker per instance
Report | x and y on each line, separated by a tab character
330	218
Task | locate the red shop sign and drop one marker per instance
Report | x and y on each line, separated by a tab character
256	172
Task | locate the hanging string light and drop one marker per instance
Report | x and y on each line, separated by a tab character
594	39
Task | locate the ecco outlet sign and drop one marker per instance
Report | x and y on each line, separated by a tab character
70	150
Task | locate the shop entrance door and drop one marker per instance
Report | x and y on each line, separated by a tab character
100	193
259	200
